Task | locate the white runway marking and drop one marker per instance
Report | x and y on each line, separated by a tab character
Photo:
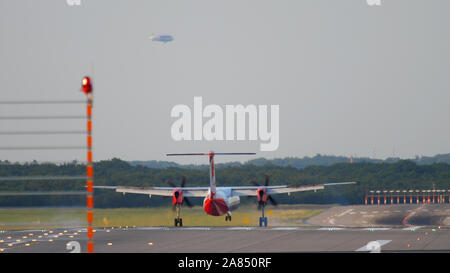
285	228
196	228
330	228
16	243
374	246
344	213
167	228
240	228
152	228
377	228
413	228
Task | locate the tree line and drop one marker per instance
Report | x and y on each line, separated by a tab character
301	163
400	175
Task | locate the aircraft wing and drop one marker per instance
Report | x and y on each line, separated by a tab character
203	191
160	191
252	190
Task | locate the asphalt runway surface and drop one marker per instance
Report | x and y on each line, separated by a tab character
232	240
401	215
341	229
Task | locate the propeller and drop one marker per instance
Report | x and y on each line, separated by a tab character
272	201
266	184
182	184
170	183
266	180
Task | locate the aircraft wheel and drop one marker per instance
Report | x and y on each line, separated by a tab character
181	222
265	221
176	222
260	221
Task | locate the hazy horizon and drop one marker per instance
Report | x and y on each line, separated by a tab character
350	79
355	157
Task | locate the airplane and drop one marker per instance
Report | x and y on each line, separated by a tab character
218	201
161	38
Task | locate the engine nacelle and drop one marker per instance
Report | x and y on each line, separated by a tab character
177	197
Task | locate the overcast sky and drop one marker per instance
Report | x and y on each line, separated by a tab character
349	78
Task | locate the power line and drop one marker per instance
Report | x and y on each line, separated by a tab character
43	148
34	178
17	193
40	117
43	102
41	132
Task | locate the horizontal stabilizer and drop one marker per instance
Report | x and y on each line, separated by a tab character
211	153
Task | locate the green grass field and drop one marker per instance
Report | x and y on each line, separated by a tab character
44	218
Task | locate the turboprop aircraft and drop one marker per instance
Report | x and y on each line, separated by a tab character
219	201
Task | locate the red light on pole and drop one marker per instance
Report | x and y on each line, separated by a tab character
86	85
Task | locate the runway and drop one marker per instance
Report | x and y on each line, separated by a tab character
231	240
384	215
338	229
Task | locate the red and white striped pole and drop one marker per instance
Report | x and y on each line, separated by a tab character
87	89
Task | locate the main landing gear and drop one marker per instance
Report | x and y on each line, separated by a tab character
178	221
262	219
228	217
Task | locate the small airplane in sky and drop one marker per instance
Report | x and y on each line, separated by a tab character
161	38
219	201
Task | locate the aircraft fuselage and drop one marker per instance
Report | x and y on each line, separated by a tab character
221	202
